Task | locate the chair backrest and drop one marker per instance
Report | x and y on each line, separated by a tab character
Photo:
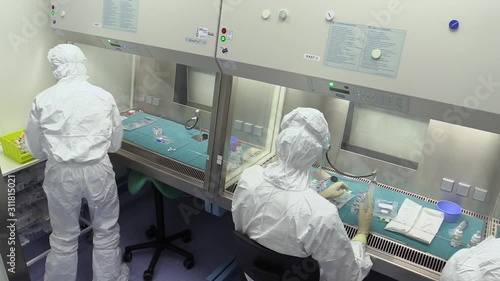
263	264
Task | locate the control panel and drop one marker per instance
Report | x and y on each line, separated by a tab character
359	94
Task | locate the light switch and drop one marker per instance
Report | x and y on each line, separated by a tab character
156	101
257	130
142	97
247	127
463	189
238	125
480	194
149	99
447	184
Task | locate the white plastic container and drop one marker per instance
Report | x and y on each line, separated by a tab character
456	238
475	239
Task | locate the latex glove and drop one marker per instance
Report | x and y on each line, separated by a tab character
364	219
335	190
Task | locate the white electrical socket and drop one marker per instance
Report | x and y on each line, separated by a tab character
447	184
142	97
149	99
247	127
480	194
257	130
463	189
156	101
238	125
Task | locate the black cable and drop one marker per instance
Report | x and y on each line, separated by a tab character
346	174
191	127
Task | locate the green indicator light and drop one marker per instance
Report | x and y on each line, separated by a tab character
223	38
332	84
109	41
53	13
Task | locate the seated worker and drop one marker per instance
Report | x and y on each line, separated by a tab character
479	263
275	207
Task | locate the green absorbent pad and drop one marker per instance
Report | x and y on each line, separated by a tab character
187	150
440	245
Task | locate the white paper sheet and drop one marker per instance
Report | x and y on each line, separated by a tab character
416	221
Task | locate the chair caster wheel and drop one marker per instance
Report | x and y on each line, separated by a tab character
148	275
151	232
127	256
189	263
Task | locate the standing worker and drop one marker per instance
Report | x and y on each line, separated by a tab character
74	125
275	207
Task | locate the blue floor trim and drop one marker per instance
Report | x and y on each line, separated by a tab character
221	270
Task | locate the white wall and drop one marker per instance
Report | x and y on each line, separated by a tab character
25	40
26	37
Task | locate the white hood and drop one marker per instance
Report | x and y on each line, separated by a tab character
299	144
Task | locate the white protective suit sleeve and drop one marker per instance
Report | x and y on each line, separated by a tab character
479	263
33	133
117	130
330	246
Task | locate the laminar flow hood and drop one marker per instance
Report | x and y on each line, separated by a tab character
438	60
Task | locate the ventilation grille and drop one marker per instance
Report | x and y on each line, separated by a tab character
164	161
402	251
494	230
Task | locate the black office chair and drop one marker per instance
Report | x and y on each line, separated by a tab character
135	183
263	264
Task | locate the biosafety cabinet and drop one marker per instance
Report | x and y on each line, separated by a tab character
167	103
408	88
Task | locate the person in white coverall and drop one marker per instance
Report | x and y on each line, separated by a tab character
74	125
479	263
275	207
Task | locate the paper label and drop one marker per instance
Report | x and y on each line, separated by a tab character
201	32
312	57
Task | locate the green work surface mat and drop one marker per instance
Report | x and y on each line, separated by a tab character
187	149
440	245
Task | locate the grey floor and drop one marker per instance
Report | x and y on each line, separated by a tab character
209	244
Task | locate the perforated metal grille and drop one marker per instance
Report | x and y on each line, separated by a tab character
404	252
164	161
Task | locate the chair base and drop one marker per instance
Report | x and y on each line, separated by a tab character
160	243
159	246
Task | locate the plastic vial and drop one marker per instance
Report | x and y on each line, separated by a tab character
463	225
475	239
456	238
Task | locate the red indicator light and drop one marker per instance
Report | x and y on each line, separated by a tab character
53	7
224	31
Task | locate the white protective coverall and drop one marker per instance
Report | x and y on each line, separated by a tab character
479	263
276	208
74	125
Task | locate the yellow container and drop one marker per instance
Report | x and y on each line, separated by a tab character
11	150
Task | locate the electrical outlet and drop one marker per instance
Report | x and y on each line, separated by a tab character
142	97
149	99
247	127
238	125
480	194
463	189
257	130
447	184
156	101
